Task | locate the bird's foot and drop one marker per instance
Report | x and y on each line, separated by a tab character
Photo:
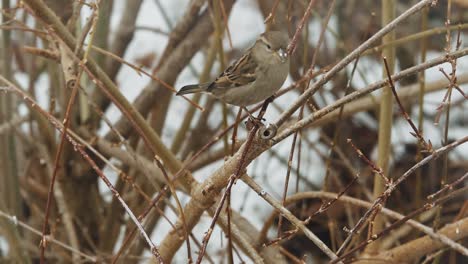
254	121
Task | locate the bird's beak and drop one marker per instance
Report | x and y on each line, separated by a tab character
283	55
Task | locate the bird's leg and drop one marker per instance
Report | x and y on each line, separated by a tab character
252	118
265	104
268	131
250	114
269	100
258	120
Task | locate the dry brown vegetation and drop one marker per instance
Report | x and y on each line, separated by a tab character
377	200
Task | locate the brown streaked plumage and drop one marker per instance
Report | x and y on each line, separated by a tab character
254	77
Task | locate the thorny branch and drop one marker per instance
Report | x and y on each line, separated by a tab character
126	154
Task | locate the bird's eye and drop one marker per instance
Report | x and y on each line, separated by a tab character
268	46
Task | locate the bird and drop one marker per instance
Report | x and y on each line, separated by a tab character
252	78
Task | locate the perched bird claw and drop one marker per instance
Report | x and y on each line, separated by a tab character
254	121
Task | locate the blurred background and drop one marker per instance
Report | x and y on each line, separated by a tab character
56	71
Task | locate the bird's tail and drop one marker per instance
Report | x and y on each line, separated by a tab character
193	88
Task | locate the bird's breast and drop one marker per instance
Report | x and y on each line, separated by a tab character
268	81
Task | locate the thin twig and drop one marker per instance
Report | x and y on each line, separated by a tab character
377	204
80	149
348	59
362	92
374	167
51	239
427	146
288	215
233	178
293	43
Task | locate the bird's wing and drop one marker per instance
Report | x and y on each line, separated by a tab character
239	73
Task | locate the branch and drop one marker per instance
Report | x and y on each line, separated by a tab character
312	118
348	59
417	248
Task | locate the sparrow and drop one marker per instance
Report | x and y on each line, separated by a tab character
254	77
